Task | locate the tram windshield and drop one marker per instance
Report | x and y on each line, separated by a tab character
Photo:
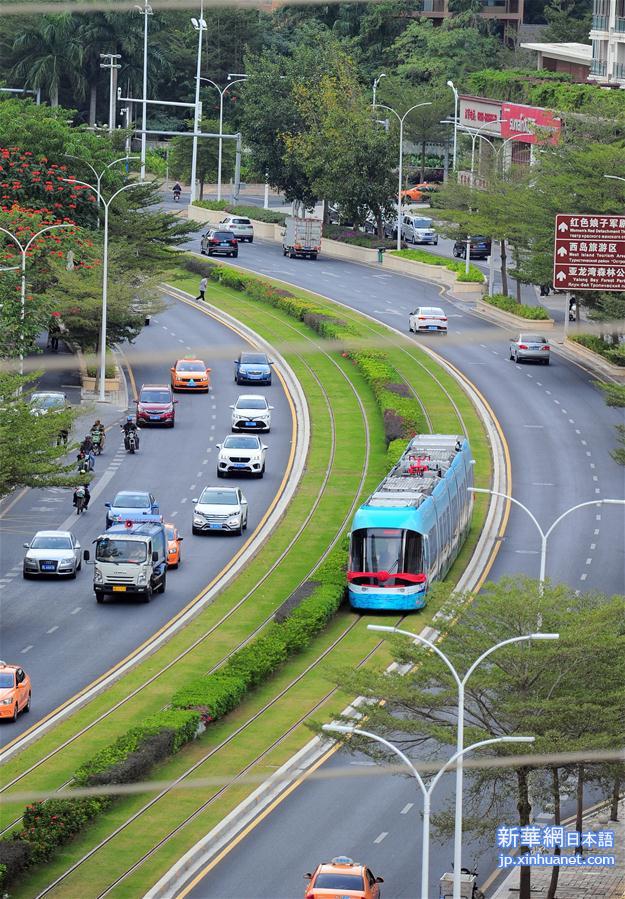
394	550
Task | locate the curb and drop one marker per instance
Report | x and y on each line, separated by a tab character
249	550
208	848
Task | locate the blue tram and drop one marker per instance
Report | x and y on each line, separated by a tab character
411	528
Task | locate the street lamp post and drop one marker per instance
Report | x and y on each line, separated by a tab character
200	26
544	535
145	11
455	150
112	66
426	791
222	91
401	119
23	249
105	266
376	81
461	684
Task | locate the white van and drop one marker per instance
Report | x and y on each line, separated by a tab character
417	229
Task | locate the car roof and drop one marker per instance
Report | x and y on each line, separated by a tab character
53	534
155	387
339	865
251	396
433	308
133	493
49	393
189	359
239	436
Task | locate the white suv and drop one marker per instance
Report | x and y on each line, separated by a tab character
242	228
251	412
242	454
220	509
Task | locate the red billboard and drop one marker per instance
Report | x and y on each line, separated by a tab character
589	252
525	123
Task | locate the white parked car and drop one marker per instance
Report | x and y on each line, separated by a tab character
51	401
241	227
417	229
220	509
251	412
243	454
428	318
53	553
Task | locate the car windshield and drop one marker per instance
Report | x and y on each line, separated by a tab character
241	221
431	310
423	223
248	443
191	366
216	497
47	401
108	550
51	543
251	402
223	235
155	396
7	681
132	501
339	882
532	338
253	359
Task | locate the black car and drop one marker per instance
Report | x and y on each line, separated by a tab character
480	247
218	241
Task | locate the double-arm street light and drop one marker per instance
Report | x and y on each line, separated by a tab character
544	535
100	175
426	791
105	264
23	250
401	119
222	92
461	683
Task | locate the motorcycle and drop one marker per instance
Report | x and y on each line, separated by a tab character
81	500
83	464
97	440
176	196
573	313
130	442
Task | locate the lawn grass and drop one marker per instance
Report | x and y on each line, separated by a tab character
102	868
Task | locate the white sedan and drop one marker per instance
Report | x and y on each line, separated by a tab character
52	552
251	412
428	318
241	454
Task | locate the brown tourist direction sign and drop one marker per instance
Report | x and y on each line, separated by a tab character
589	252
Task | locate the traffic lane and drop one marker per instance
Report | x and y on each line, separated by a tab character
541	410
376	819
56	630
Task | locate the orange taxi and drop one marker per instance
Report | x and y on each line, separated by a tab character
15	691
420	192
173	546
342	878
190	374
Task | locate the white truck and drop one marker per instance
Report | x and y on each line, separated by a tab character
130	560
301	237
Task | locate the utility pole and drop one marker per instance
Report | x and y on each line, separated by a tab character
112	66
200	27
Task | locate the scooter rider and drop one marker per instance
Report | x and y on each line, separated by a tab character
127	427
82	490
98	434
177	190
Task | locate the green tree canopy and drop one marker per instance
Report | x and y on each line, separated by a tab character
180	156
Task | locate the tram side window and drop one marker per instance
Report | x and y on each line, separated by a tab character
445	531
454	508
433	540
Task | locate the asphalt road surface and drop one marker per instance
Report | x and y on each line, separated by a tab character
559	432
55	629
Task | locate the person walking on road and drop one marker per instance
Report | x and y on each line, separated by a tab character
203	285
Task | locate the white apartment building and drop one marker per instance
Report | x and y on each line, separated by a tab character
608	42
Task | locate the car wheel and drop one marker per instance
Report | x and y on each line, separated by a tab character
26	708
221	474
245	524
195	531
99	598
235	255
238	532
25	576
261	472
72	576
146	597
516	358
163	585
409	328
251	239
209	253
511	355
292	255
15	714
545	361
283	251
313	255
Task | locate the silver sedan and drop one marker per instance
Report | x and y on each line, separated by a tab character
52	552
530	348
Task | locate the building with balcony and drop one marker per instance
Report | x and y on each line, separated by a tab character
607	37
509	12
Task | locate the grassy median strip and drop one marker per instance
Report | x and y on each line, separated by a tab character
121	851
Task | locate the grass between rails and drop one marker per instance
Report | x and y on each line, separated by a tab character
443	420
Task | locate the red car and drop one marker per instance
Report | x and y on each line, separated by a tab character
156	405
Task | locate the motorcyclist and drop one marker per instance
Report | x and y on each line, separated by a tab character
98	434
82	490
177	190
128	427
84	463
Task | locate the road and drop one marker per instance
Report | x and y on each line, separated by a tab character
559	432
57	631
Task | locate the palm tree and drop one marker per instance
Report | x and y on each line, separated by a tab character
47	54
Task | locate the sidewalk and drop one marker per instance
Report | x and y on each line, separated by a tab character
580	883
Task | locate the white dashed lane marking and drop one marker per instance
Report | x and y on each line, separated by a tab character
381	837
76	610
406	808
53	629
27	648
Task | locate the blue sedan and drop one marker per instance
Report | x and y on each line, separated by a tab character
132	505
252	368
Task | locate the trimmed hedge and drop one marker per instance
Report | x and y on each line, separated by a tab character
474	275
614	353
509	304
47	826
251	212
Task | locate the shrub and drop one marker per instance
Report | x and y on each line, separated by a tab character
473	275
255	662
49	825
394	426
15	857
253	212
357	238
509	304
137	764
614	353
394	451
212	695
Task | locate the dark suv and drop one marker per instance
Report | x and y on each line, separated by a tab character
156	405
480	247
220	241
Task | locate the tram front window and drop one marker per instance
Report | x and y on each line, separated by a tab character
386	549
